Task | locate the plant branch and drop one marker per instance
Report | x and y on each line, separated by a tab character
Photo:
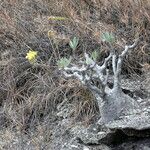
119	63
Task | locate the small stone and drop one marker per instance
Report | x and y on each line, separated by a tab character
85	148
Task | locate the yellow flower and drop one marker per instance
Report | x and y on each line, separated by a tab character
59	18
31	56
51	33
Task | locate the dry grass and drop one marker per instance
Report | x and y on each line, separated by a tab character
29	94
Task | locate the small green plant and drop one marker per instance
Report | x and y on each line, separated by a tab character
108	37
93	57
63	62
74	43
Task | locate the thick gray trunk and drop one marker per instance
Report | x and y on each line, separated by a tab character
116	104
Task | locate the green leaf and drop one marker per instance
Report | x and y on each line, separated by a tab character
94	55
63	62
88	61
74	43
71	44
108	37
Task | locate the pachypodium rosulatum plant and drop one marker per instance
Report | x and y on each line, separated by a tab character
112	101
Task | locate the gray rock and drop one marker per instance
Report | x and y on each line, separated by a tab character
136	121
93	134
137	125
